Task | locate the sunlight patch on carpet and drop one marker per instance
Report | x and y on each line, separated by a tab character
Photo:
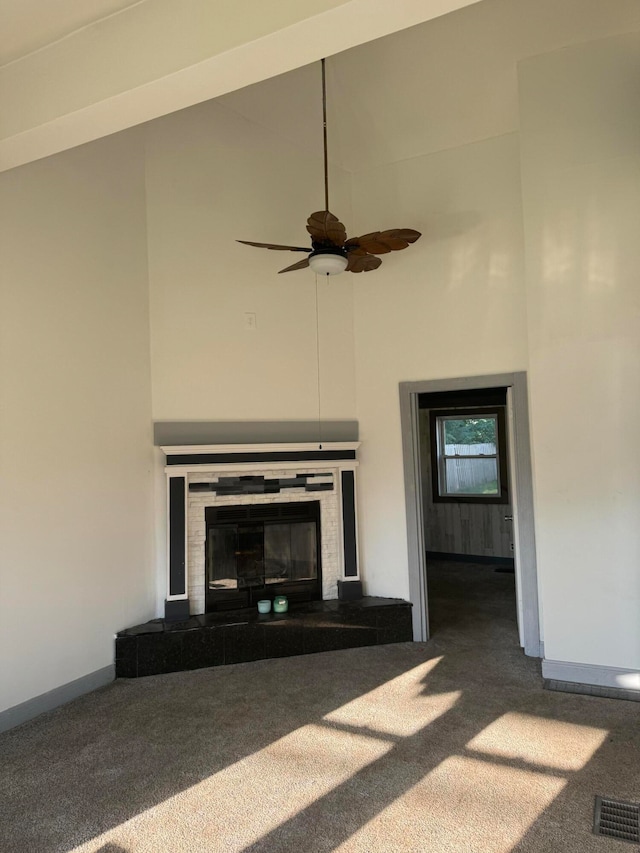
547	743
463	804
399	707
234	808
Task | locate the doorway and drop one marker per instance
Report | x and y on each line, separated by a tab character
519	492
468	518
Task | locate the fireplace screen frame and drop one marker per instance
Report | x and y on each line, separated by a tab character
263	515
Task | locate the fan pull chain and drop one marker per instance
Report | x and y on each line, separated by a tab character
318	366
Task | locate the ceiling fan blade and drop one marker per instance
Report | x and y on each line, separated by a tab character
381	242
273	246
372	243
358	261
299	266
324	227
408	235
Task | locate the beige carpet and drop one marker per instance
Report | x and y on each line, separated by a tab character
446	746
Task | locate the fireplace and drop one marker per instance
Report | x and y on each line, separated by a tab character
284	517
247	522
261	550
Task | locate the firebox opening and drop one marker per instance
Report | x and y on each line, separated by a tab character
262	550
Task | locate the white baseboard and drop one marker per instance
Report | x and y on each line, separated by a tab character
56	697
585	673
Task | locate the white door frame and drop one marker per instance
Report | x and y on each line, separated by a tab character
522	493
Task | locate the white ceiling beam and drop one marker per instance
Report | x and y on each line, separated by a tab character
160	56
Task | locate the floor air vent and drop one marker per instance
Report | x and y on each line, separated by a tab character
617	819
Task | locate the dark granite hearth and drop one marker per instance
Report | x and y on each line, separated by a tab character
214	639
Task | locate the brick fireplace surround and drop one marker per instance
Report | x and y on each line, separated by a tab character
237	475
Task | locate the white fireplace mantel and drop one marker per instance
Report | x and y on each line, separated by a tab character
299	447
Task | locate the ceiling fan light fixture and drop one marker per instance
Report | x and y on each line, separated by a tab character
331	251
327	262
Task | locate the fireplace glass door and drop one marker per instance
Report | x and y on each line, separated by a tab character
261	551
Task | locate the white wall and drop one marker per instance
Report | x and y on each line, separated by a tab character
451	305
213	178
581	182
456	304
75	427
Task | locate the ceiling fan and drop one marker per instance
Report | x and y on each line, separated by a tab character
331	251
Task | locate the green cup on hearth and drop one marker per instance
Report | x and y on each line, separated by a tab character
280	604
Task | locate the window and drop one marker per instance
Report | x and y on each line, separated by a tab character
468	451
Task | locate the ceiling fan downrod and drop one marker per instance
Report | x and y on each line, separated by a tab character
324	131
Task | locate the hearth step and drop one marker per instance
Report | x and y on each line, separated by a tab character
216	639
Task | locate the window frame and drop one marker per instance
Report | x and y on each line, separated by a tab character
437	458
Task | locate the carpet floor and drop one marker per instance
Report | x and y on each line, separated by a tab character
450	745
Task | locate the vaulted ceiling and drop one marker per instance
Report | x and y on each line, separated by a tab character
28	25
154	57
444	83
405	78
